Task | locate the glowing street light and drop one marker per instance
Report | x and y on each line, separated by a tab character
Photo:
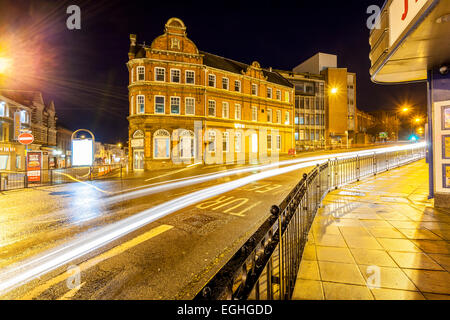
5	64
334	90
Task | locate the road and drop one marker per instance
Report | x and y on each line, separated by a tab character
161	235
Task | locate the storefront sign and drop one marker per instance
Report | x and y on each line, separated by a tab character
446	171
17	131
446	147
446	118
7	148
137	143
34	165
401	14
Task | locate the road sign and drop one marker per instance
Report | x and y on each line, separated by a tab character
26	138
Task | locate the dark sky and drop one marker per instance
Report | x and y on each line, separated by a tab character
84	71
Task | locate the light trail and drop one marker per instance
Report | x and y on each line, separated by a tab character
28	270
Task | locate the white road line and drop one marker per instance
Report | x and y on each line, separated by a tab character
52	259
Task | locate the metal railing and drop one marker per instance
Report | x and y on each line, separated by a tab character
10	180
266	266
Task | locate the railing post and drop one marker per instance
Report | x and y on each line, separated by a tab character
375	167
280	256
336	173
318	196
358	170
51	177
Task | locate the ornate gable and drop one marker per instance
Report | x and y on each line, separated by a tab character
254	70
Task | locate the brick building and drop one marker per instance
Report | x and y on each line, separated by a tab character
26	111
192	105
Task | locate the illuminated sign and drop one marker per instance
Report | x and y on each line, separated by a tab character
401	14
16	125
34	164
82	152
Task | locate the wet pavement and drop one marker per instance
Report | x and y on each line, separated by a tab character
378	239
171	257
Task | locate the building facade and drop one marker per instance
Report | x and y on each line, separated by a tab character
64	146
309	112
189	105
25	111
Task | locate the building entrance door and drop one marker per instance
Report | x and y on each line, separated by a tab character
138	160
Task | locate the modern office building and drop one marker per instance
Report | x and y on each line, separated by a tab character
189	105
332	93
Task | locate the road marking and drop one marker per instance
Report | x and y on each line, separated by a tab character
225	201
83	182
71	293
92	262
168	174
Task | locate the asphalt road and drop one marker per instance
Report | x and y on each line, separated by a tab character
171	257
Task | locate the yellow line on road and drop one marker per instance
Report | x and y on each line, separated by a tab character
92	262
75	179
71	293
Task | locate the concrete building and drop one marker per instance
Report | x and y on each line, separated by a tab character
25	111
309	112
188	105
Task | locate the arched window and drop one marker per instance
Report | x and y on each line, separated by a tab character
138	134
187	144
161	143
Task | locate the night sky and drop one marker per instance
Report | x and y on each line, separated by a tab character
84	71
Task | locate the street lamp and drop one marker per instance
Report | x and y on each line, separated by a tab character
334	90
5	64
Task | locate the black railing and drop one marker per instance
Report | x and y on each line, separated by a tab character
10	180
266	266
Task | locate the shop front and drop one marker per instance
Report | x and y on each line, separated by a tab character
412	45
137	147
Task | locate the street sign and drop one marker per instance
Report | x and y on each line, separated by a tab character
26	138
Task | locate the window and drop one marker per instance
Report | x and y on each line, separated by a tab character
302	119
287	116
302	134
190	106
211	108
160	74
269	93
269	115
225	83
160	104
254	114
278	142
226	142
278	116
211	80
287	97
212	141
278	94
237	111
186	146
131	105
3	109
269	142
174	105
141	73
190	77
174	75
140	108
237	141
18	162
237	86
254	89
3	161
161	142
225	110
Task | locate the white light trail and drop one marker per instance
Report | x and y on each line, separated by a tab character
29	269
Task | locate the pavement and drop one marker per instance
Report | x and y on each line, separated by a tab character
378	239
168	257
